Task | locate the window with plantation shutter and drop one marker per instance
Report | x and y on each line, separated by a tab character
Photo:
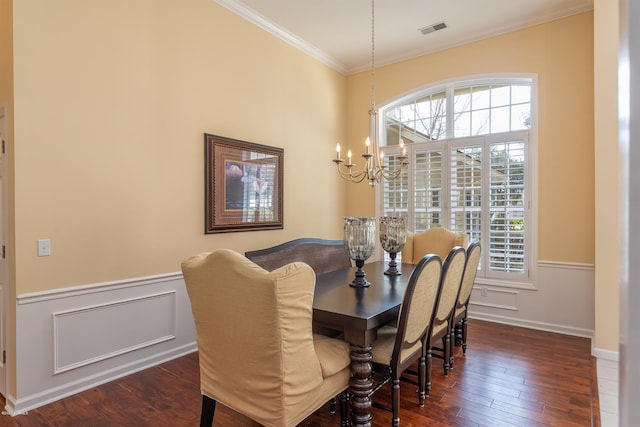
469	168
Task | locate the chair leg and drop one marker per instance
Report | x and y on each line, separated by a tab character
395	402
332	405
446	339
464	335
344	409
427	383
452	338
422	369
458	334
208	410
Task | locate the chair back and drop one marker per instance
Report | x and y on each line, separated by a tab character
436	240
452	271
417	310
469	276
253	331
322	255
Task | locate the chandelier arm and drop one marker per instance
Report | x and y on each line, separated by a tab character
349	175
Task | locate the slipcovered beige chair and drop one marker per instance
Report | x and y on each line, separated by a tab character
452	271
462	306
257	353
396	349
436	240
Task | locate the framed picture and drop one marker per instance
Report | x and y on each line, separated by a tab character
243	185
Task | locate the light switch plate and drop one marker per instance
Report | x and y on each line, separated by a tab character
44	247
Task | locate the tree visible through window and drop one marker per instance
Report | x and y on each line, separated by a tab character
468	145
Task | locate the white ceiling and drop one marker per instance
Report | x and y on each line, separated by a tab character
338	32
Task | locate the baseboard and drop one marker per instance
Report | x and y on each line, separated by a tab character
541	326
603	354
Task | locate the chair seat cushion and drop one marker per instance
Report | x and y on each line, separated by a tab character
439	329
382	348
332	353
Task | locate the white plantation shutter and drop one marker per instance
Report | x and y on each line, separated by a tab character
396	193
466	190
395	196
428	196
507	207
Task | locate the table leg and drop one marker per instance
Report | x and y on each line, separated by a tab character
361	385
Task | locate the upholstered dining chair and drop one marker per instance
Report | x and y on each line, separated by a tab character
257	353
459	321
451	278
322	255
436	240
396	349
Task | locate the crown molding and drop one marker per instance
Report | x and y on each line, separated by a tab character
262	22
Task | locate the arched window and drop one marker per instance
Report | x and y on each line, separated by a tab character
470	166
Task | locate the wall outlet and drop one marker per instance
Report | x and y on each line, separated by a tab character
484	291
44	247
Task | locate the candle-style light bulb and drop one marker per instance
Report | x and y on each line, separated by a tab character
366	144
338	151
349	156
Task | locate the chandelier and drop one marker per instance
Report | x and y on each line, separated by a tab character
374	169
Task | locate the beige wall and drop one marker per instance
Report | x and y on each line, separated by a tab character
111	102
561	54
607	175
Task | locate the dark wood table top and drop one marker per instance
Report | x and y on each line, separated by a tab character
358	311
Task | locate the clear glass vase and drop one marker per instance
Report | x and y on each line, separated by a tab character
360	241
393	236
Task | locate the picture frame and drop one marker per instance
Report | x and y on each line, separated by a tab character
243	185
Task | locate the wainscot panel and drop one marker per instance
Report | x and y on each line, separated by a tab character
562	300
75	345
72	339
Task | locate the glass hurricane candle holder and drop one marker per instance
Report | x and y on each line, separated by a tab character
360	241
393	236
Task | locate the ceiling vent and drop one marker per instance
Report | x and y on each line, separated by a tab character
431	28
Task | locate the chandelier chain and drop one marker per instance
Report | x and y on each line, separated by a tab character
373	50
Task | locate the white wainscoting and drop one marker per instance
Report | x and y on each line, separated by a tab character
75	345
73	339
562	300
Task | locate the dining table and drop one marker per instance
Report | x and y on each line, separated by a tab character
358	312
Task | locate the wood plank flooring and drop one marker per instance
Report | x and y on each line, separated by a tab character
510	376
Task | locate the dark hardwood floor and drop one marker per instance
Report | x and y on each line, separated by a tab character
510	377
